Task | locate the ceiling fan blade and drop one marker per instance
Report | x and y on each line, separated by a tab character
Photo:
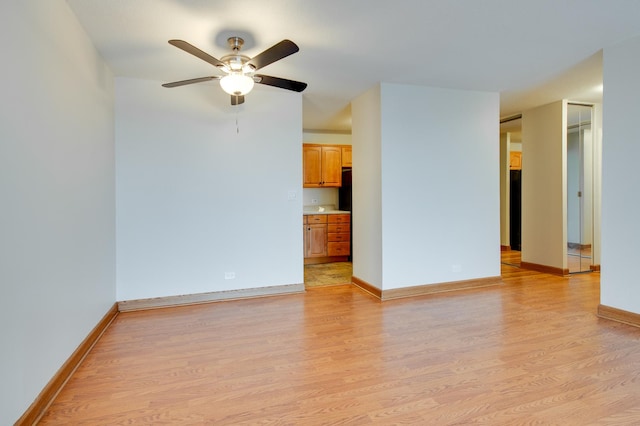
283	83
237	100
191	81
274	53
189	48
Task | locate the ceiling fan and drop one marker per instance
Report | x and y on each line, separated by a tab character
240	70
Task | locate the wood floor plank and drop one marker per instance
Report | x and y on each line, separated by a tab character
529	351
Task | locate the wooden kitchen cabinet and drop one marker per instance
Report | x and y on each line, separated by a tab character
339	235
316	240
315	236
346	156
515	160
322	166
327	238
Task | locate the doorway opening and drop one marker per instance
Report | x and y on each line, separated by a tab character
511	189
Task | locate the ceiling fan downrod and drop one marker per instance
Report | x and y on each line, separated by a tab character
235	43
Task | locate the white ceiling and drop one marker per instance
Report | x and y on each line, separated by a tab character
532	52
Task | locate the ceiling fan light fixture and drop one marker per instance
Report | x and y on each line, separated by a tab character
240	70
236	84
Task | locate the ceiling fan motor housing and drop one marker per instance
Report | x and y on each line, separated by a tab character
235	61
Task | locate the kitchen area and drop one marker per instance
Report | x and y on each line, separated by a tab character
327	213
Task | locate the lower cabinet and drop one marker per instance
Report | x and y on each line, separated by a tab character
316	245
315	235
339	235
327	238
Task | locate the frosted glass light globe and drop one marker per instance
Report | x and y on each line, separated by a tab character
236	84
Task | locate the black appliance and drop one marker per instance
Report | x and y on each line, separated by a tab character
344	192
344	202
515	209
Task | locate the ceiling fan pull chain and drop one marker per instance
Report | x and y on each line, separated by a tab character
237	126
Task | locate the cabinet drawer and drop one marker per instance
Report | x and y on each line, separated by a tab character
339	218
317	218
339	227
338	236
338	248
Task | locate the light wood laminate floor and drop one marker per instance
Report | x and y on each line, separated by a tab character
529	351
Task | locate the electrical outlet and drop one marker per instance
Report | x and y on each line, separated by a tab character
229	275
291	195
314	201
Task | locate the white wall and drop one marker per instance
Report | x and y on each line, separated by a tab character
367	187
440	185
620	177
505	187
543	188
57	219
426	186
198	195
327	138
597	183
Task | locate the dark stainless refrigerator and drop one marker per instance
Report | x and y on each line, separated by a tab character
515	209
344	202
344	192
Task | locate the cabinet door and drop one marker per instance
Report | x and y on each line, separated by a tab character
316	240
515	160
346	156
331	166
304	239
311	166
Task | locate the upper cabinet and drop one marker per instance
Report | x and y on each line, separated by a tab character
322	166
515	160
346	156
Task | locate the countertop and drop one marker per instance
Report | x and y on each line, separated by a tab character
326	212
323	209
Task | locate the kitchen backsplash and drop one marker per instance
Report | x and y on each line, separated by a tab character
319	196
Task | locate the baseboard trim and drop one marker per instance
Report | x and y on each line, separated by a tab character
619	315
42	402
369	288
544	268
595	268
216	296
505	248
421	290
